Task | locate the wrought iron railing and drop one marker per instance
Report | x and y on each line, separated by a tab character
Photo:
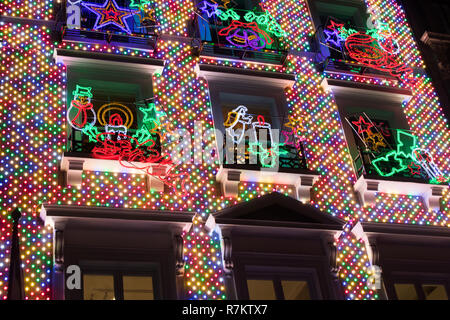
363	163
146	42
289	159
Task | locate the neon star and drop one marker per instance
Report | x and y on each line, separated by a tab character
414	168
335	26
209	8
333	34
333	37
110	14
362	125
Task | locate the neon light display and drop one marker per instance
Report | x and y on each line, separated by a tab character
32	138
210	9
82	104
241	34
375	48
110	14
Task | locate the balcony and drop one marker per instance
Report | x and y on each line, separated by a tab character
107	156
237	34
141	42
404	182
289	169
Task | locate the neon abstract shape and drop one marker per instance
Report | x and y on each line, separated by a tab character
378	164
243	35
107	108
406	143
110	14
227	14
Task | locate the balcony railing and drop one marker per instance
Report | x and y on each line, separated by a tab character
145	42
289	160
364	167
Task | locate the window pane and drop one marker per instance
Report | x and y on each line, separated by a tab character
295	290
137	288
434	292
261	290
98	287
406	291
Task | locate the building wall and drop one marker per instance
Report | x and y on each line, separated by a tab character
33	103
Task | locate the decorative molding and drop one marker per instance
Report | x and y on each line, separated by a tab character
179	259
227	255
368	188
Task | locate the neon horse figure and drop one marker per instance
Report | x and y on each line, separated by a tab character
242	35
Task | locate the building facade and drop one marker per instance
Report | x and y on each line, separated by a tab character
431	24
215	149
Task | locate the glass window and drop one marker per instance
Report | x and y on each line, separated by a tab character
295	290
406	291
434	292
261	290
98	287
137	288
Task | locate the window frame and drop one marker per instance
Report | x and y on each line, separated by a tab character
118	271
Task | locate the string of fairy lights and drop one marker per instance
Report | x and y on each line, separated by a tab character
32	129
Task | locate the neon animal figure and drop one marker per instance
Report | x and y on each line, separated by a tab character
237	122
242	35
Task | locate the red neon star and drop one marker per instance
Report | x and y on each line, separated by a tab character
362	125
335	26
415	169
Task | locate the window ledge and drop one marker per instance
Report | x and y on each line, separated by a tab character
367	188
302	182
73	167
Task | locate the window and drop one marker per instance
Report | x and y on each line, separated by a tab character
120	280
117	287
417	291
276	289
237	27
108	107
351	12
251	119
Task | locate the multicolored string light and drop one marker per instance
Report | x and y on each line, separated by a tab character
31	9
32	98
32	129
203	274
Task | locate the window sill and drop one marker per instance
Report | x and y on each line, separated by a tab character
368	186
302	181
73	166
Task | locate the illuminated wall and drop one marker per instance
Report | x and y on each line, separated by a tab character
32	130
